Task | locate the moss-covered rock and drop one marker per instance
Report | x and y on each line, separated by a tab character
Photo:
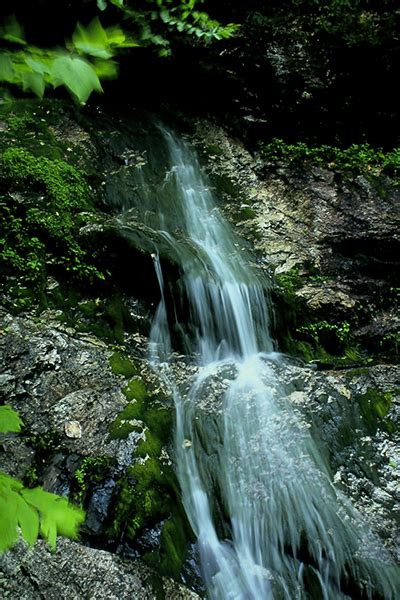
122	365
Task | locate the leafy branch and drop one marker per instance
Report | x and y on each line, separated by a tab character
78	67
88	57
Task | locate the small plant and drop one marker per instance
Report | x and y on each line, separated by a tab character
32	511
313	330
357	157
89	473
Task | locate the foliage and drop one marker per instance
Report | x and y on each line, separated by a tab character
34	511
89	55
357	157
348	23
374	408
355	22
289	281
31	511
91	471
340	331
43	229
10	421
79	67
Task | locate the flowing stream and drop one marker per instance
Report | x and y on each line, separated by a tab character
269	523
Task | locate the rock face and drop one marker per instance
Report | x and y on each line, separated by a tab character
354	420
333	236
85	437
95	415
60	383
75	571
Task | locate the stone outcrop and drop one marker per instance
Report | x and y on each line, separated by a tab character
76	571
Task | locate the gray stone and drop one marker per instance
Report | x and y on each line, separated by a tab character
75	571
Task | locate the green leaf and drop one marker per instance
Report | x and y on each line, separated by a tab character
56	514
39	65
12	31
10	420
92	40
28	520
34	510
8	519
34	82
7	72
105	69
7	482
77	75
48	530
102	4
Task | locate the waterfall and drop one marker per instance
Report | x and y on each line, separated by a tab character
256	491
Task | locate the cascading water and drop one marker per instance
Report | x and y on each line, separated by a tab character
283	530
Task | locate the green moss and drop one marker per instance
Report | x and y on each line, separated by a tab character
122	509
159	421
28	127
374	407
355	373
226	187
173	546
149	446
245	213
40	230
125	422
357	157
62	182
135	390
213	149
105	317
122	365
149	492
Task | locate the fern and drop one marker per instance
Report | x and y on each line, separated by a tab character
33	512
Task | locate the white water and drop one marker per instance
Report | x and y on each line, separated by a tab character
256	463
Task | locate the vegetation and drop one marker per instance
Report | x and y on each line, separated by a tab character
40	229
89	54
10	421
31	511
91	472
357	157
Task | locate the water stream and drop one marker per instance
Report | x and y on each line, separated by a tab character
269	523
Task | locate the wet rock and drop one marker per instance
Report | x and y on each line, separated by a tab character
73	429
353	416
60	383
317	221
75	571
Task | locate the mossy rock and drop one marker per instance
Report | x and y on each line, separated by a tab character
126	422
135	390
122	365
374	408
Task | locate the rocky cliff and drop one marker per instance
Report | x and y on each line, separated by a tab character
75	317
